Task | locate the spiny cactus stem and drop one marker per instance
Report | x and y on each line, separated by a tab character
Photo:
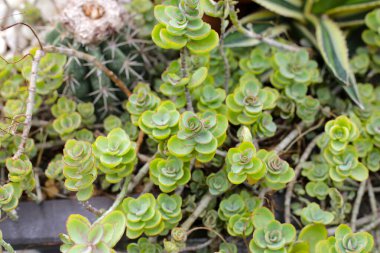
29	103
251	34
8	248
356	207
185	74
297	170
118	199
289	138
91	59
201	206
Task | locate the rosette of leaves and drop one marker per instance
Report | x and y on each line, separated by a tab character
248	100
11	86
258	61
315	171
66	124
20	171
293	68
210	219
99	237
199	135
314	214
142	15
242	163
217	183
307	109
142	216
87	112
170	209
161	123
363	145
174	83
264	126
112	122
361	61
345	164
227	248
198	186
371	36
318	189
373	128
278	171
143	245
50	74
340	132
234	204
84	135
63	105
30	148
79	168
372	160
55	168
13	108
142	99
270	235
9	195
345	241
169	173
115	155
212	98
182	26
240	225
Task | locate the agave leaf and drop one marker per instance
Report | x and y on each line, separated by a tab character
289	9
333	48
353	6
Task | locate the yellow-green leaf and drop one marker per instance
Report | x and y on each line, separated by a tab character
290	8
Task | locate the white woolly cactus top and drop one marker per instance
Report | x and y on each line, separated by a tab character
92	21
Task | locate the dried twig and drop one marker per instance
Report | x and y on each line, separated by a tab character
372	198
29	104
201	206
198	246
356	207
289	138
91	59
297	170
91	208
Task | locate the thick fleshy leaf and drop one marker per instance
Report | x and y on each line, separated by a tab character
290	9
78	228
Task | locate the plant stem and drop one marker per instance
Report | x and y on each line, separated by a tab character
227	68
370	226
297	170
29	103
185	74
140	175
289	138
50	144
198	246
91	208
8	248
117	201
201	206
91	59
372	198
356	207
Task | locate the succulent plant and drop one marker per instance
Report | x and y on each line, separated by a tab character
371	36
248	100
112	122
294	68
198	135
79	168
9	195
264	126
361	61
217	183
270	235
181	26
161	123
234	204
340	132
240	225
242	163
279	173
50	74
98	237
345	164
307	109
258	61
346	241
55	168
84	135
87	112
314	214
317	189
20	171
142	216
169	173
372	160
315	171
141	100
372	128
228	248
115	155
212	98
170	209
66	124
63	105
143	245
